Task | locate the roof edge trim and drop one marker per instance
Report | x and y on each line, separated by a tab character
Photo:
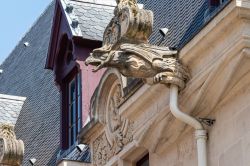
12	97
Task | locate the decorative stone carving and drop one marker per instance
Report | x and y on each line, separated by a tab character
103	151
11	150
118	130
126	48
7	131
117	127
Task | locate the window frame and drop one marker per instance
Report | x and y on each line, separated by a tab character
66	128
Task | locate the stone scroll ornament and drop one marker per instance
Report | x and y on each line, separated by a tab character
126	48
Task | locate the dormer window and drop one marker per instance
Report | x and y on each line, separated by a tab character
74	109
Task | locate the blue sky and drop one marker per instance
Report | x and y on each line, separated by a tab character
17	16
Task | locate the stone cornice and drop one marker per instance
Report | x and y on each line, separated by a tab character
230	16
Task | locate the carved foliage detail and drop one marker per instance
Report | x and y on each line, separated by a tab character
103	151
118	130
7	131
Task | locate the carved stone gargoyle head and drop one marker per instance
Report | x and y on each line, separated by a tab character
126	48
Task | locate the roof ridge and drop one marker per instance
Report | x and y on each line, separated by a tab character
110	3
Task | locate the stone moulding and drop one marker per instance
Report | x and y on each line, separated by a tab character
126	48
116	131
11	150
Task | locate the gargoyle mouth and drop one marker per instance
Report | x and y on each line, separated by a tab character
97	63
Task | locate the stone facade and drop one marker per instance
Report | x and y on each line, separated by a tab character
218	62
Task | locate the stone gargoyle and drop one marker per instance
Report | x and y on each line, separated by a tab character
126	48
141	61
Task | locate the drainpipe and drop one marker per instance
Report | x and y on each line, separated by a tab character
200	132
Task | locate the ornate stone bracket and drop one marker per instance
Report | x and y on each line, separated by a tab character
11	150
126	48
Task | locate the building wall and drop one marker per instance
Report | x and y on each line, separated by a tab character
228	142
218	61
23	74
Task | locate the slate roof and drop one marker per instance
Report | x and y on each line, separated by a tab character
38	124
93	17
10	107
76	155
183	18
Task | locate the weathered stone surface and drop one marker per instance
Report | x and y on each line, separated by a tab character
117	131
218	59
126	47
11	150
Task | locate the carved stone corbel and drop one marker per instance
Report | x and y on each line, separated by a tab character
126	48
11	149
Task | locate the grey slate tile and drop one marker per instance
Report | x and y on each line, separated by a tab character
10	107
38	124
91	15
183	18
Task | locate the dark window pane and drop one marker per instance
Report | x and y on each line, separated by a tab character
74	112
73	134
214	2
74	109
78	85
72	90
69	136
79	125
144	161
79	107
70	116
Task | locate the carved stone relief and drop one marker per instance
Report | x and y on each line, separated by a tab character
7	131
11	150
117	130
1	149
126	48
103	151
